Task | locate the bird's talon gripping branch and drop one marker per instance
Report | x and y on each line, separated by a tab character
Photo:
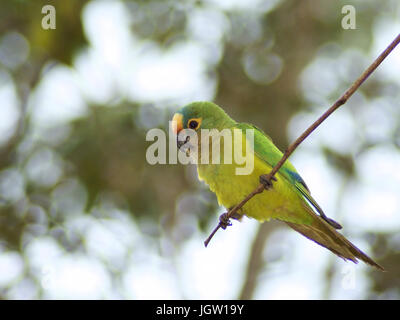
224	220
236	216
266	181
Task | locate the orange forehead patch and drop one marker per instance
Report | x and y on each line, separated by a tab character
177	123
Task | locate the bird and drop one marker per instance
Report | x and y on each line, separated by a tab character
288	199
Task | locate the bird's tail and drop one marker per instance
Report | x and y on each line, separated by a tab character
322	233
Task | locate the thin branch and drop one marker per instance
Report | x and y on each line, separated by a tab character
341	101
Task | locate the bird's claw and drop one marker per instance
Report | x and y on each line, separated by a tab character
224	220
267	181
236	216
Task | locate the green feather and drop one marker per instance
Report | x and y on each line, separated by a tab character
265	149
289	199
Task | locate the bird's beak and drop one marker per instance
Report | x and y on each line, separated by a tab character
177	123
177	126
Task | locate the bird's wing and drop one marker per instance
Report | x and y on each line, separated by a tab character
322	229
265	149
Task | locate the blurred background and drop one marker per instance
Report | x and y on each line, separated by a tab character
84	216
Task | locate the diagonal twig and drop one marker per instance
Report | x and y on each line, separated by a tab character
341	101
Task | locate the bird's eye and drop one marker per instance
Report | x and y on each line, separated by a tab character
194	123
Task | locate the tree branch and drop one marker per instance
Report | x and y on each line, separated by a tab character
341	101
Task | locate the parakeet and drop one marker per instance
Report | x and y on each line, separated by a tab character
288	200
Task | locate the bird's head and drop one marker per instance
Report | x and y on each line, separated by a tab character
200	115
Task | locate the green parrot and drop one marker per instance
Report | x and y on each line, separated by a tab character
289	200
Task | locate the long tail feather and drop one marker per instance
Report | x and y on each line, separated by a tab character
325	235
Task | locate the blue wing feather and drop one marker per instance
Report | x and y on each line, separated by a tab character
268	152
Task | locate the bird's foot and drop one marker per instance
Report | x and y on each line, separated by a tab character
267	181
237	216
224	220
